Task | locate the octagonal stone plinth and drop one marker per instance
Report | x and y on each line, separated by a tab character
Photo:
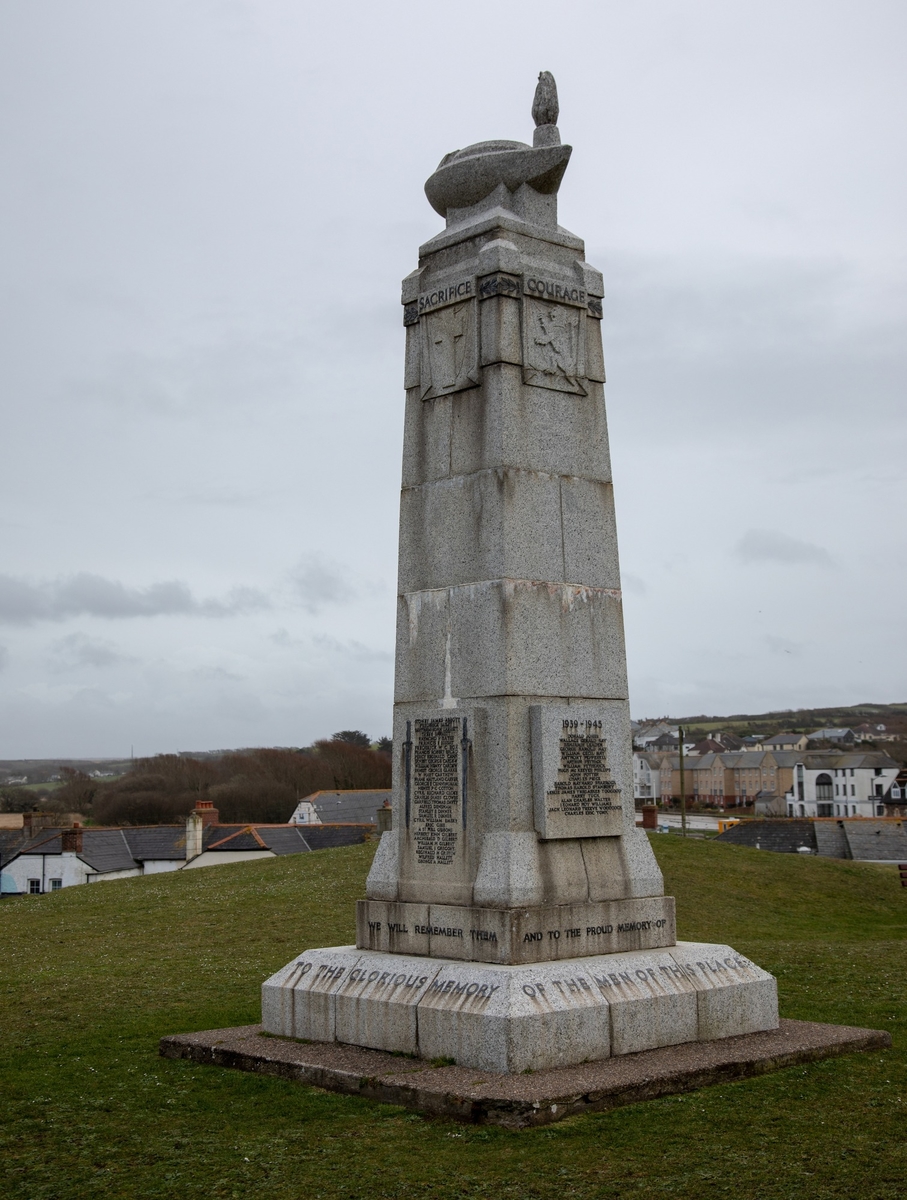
516	1018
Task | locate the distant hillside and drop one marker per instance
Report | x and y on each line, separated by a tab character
804	720
44	770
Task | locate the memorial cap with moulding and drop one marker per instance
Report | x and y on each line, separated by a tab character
465	178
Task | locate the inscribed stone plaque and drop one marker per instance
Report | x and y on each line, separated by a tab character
436	764
575	792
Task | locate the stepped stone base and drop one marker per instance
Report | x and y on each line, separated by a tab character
510	1019
516	935
521	1101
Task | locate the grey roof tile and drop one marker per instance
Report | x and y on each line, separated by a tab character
345	806
160	842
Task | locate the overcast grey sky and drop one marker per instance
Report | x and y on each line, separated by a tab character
206	210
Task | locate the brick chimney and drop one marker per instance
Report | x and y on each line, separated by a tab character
202	815
72	839
207	812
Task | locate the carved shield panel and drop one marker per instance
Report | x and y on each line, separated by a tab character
553	346
450	350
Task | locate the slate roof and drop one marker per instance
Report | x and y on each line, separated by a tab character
156	841
728	741
107	850
790	758
831	840
737	759
857	837
11	842
358	807
39	843
856	758
285	839
234	837
324	837
102	849
876	840
663	742
783	836
653	760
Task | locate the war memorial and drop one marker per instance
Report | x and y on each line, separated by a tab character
515	919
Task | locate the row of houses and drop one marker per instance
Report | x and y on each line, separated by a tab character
793	783
36	857
664	737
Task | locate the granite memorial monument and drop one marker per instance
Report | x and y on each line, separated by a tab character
515	916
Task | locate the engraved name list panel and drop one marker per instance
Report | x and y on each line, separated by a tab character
436	764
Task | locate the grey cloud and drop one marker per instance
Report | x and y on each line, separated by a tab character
217	674
694	309
782	645
317	582
353	649
4	657
633	583
281	637
766	545
701	353
23	602
218	497
80	650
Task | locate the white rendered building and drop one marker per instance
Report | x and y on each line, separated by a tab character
841	785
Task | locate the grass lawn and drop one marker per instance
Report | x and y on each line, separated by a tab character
91	977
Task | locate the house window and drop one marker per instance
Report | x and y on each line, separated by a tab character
56	884
895	792
824	810
823	787
880	810
34	887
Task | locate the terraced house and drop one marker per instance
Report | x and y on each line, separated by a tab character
729	780
33	863
842	785
778	782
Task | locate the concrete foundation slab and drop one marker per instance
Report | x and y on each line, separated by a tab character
519	1101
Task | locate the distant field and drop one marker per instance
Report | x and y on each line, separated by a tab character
91	977
893	716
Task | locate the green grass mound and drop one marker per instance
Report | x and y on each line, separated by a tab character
91	977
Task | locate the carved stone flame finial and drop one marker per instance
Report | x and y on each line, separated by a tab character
544	106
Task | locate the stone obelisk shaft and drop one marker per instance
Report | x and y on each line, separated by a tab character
509	606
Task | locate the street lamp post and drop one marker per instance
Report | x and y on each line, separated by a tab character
683	786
